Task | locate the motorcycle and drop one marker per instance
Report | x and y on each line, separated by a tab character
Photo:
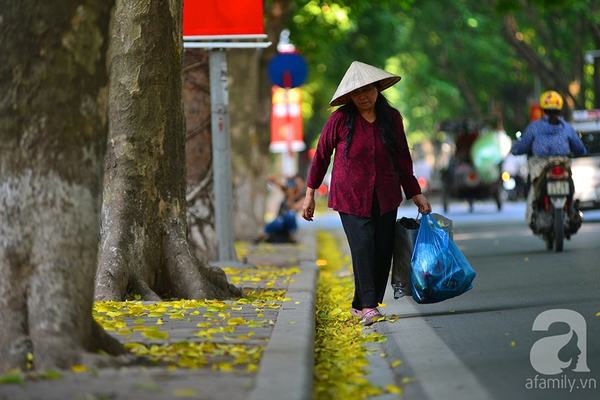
555	217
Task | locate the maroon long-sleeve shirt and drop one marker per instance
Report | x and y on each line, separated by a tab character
366	170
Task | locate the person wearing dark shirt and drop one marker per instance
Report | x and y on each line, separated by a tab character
547	140
371	166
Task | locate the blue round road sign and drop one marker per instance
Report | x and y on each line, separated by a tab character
288	70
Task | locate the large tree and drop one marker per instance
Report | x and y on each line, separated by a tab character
53	128
552	38
143	245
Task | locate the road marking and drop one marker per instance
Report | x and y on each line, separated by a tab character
440	373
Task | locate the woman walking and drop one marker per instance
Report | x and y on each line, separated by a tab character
372	163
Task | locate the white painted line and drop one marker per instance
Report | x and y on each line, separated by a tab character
440	373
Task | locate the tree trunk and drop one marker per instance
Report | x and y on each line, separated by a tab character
249	145
53	82
198	154
143	245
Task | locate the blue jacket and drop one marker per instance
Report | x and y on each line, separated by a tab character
543	139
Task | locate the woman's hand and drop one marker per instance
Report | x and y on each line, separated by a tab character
308	207
422	204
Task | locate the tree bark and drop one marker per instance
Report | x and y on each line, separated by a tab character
143	244
249	144
198	154
53	128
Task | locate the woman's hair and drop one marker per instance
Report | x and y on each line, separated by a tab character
385	122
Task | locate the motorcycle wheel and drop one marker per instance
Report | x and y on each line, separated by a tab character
559	229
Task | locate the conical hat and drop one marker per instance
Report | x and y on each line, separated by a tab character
359	75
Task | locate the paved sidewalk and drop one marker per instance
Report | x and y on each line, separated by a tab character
285	371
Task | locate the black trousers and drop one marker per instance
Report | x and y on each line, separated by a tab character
371	242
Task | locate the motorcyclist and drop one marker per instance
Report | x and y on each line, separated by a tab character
547	140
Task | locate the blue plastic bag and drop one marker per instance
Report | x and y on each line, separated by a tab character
438	269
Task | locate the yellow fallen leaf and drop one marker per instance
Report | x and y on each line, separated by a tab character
335	311
396	363
393	389
223	367
408	379
155	314
79	368
236	321
513	344
159	322
134	347
155	334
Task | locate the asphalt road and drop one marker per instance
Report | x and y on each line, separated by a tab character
483	344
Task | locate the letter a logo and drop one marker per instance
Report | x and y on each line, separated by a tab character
544	353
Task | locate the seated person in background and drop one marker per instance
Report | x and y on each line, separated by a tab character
283	228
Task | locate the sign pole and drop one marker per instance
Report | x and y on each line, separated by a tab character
216	25
221	152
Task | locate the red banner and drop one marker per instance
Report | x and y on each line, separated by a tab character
286	120
222	17
535	112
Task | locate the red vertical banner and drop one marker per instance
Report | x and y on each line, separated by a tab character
535	112
286	120
222	17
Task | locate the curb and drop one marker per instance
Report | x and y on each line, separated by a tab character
286	370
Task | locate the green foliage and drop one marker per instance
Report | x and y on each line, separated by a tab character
332	34
454	57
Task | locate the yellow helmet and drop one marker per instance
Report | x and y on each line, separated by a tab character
551	100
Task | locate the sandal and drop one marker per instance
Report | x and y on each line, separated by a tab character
356	312
370	316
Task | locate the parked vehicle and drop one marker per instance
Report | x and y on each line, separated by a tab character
474	170
586	170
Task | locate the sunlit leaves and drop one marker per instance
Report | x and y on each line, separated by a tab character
213	324
340	345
